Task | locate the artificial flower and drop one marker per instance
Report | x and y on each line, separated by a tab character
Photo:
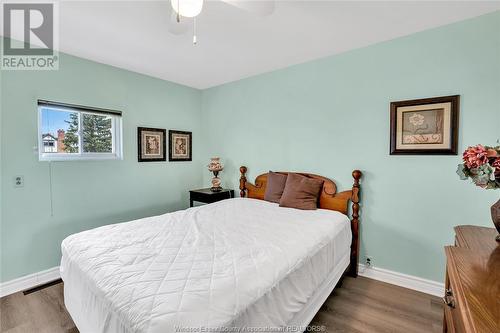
482	166
490	152
475	156
496	163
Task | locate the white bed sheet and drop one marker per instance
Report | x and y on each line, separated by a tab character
238	262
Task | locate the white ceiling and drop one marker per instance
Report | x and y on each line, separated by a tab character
232	43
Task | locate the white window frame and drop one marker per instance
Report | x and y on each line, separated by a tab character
116	130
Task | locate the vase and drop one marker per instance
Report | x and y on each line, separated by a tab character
495	216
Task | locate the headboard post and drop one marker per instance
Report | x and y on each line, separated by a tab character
243	180
353	269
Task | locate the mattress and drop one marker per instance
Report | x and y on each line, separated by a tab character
238	262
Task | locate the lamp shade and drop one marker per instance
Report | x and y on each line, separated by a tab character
187	8
215	164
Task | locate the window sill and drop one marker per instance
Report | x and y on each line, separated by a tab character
78	157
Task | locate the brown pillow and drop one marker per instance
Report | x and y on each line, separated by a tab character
275	186
301	192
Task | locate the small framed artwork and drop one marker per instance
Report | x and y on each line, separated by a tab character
425	126
180	146
151	144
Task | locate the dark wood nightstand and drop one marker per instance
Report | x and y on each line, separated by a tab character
205	195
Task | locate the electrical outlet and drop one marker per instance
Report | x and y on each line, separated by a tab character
19	181
369	261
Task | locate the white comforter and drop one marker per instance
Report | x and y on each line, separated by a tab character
199	267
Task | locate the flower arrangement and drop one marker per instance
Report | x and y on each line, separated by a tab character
482	165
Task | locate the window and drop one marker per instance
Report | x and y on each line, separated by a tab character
73	132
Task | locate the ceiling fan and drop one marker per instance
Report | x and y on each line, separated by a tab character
185	11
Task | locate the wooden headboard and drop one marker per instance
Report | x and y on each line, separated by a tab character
329	199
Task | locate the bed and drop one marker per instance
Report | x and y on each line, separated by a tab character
241	262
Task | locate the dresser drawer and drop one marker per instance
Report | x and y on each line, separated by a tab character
453	314
452	304
472	271
450	327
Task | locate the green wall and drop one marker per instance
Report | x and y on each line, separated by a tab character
327	116
87	194
331	116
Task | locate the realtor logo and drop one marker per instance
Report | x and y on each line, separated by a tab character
30	31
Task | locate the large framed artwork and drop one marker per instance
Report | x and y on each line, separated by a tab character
426	126
151	144
180	146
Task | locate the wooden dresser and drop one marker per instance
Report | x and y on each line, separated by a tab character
472	281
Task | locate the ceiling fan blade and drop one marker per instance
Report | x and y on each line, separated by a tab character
259	7
178	28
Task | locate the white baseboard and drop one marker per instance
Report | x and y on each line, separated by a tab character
29	281
403	280
380	274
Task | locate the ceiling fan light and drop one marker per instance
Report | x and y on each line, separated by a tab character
187	8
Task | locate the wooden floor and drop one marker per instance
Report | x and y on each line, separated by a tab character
358	305
365	305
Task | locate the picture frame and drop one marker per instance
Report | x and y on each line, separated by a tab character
180	146
427	126
151	144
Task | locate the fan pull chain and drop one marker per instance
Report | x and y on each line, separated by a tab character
195	40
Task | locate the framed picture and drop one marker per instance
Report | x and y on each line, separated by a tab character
425	126
180	146
151	143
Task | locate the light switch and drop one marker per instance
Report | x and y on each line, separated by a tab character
19	181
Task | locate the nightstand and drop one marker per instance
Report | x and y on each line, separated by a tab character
205	195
